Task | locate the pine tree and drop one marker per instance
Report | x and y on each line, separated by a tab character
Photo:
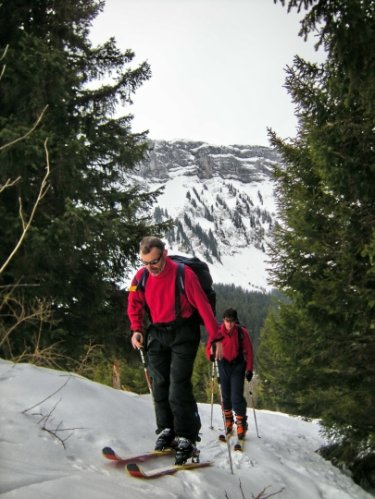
323	251
86	233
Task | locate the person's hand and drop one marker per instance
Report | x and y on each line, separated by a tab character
137	340
249	375
219	350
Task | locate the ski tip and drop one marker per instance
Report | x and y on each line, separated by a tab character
108	452
134	470
133	467
224	438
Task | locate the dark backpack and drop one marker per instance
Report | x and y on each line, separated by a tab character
201	270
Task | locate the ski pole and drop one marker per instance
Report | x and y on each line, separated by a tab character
147	376
255	416
222	412
212	391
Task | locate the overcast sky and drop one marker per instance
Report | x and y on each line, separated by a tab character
218	66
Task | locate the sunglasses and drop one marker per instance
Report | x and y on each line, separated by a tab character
154	261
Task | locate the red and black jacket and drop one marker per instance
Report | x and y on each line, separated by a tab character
159	295
236	343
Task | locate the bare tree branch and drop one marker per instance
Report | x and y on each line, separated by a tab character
9	183
16	310
1	58
262	496
49	396
26	224
47	420
28	133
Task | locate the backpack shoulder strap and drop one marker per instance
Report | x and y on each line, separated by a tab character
141	284
240	332
179	288
240	339
180	277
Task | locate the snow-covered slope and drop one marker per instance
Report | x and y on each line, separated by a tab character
54	425
222	201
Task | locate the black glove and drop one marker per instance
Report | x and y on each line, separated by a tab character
249	375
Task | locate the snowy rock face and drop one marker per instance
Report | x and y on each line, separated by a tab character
222	201
244	163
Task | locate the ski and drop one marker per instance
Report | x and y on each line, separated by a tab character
110	454
239	445
136	471
223	438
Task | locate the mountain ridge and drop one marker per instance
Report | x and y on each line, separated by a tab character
222	201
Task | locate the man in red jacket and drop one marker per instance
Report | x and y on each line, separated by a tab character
236	364
171	343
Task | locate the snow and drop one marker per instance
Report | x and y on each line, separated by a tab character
228	194
241	264
244	269
39	403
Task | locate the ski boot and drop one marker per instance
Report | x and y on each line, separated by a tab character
165	439
241	422
185	449
228	421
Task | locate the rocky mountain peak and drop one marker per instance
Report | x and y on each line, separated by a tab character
247	163
221	199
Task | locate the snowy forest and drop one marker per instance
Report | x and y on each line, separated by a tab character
71	222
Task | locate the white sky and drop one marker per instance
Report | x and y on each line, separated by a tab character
38	403
218	66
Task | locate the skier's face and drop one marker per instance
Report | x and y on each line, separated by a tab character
154	260
228	323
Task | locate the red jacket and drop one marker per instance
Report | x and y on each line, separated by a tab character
160	298
233	345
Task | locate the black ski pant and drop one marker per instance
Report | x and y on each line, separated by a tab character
171	351
232	379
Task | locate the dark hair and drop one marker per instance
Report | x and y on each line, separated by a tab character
230	313
149	242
